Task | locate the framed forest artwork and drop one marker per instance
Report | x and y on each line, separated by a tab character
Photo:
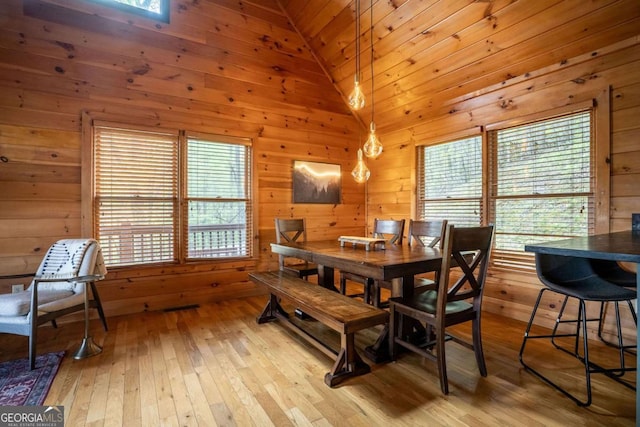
315	182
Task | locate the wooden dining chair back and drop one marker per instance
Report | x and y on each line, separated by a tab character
392	231
426	233
292	230
456	299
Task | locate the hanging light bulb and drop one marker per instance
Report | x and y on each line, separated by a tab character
372	147
356	97
361	172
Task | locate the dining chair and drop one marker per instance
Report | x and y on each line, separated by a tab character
456	299
392	231
68	270
291	230
426	233
575	278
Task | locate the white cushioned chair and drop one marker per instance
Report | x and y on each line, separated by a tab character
68	268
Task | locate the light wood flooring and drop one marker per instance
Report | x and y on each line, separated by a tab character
213	365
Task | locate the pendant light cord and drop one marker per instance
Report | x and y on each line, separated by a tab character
358	39
371	43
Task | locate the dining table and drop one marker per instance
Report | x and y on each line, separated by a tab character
621	246
395	264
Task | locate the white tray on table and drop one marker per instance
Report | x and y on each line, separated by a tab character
369	243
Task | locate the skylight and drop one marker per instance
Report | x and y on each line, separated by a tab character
154	9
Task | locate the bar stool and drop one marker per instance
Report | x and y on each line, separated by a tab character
574	277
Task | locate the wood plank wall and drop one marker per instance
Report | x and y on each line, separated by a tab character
222	67
391	189
240	68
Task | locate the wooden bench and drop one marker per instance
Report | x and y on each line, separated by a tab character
339	312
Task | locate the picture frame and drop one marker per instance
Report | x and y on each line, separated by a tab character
316	182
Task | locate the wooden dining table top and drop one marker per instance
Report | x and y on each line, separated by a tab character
395	263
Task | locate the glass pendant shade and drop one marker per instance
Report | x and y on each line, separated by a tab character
356	97
373	146
361	172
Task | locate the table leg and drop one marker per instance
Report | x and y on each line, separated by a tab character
379	351
88	347
326	277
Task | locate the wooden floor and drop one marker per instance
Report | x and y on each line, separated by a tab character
214	365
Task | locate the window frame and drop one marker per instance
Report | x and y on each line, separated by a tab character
88	180
601	149
420	179
184	197
163	16
513	258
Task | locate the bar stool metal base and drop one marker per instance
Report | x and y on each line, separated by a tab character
589	367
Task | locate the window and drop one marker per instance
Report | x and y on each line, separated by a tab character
154	9
541	185
540	179
150	207
450	181
218	198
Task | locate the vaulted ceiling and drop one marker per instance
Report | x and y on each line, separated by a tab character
431	53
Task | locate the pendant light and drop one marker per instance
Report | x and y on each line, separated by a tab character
356	97
372	147
361	172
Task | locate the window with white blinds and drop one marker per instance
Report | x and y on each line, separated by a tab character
541	185
151	207
218	198
135	195
450	182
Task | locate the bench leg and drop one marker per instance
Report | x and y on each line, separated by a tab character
348	363
270	310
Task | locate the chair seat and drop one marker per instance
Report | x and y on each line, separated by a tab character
591	288
426	302
74	300
422	284
302	269
613	272
18	304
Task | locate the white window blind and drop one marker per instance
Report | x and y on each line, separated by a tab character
450	182
541	185
136	188
219	206
168	196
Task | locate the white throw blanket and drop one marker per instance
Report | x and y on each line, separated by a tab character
66	259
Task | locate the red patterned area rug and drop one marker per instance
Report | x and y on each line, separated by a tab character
20	386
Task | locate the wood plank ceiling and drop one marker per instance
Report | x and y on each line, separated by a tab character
431	54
